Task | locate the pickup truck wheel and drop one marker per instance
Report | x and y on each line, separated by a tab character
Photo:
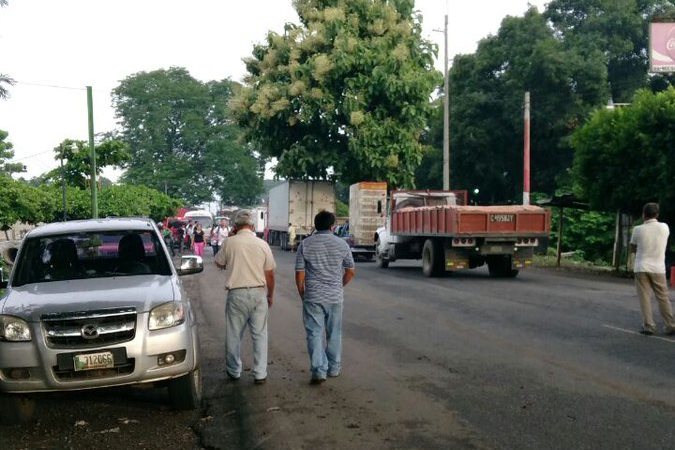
379	259
16	409
433	258
186	392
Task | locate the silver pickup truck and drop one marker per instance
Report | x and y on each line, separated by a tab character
96	303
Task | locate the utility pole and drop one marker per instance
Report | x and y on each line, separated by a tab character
526	156
446	115
90	110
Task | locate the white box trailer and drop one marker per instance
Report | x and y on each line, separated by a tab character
296	202
367	213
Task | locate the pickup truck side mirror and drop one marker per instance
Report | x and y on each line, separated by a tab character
9	255
190	264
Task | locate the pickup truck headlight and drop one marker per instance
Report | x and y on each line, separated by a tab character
13	329
166	315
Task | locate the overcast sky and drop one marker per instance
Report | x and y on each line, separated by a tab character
54	49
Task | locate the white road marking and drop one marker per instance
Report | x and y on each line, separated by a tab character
638	334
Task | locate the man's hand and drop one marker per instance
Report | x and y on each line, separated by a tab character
300	283
270	301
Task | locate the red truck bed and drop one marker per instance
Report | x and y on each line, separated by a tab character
516	220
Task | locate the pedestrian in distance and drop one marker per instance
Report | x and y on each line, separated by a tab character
323	266
198	240
180	237
291	237
649	242
249	272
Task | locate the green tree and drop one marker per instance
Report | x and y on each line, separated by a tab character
117	200
5	80
618	29
6	153
348	89
624	157
76	158
487	95
179	133
21	203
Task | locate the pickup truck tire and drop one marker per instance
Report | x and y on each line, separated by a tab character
379	258
433	258
16	409
185	392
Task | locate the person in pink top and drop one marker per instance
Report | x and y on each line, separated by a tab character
198	240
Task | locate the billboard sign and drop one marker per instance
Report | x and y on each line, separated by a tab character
662	47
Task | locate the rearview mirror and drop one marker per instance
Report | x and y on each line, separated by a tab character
190	264
9	255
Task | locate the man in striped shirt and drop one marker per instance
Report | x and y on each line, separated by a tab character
323	266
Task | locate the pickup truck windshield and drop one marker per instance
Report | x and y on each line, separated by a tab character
90	255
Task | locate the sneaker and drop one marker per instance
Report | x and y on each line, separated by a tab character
260	380
646	332
231	377
317	380
334	375
670	332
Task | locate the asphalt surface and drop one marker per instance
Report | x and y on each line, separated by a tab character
548	360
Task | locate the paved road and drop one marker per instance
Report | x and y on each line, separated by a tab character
544	361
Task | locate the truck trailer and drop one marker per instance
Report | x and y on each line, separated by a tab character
367	206
296	203
431	226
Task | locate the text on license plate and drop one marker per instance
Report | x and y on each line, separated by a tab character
102	360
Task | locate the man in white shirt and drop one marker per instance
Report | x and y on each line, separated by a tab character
649	242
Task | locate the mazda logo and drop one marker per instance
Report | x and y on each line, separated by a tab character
89	331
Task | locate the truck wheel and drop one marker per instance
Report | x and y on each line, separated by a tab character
433	258
500	267
186	392
16	409
379	259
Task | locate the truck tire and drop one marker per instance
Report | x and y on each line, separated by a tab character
185	393
379	258
500	267
16	409
433	258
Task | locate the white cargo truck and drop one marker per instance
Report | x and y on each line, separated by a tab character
296	202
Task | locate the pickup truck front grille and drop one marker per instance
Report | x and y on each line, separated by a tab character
86	329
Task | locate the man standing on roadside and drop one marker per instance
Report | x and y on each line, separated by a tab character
649	242
249	267
323	266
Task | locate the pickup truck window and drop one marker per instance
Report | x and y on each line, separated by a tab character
90	255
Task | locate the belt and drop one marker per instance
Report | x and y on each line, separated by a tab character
246	287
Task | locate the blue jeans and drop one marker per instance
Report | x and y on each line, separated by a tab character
323	320
246	307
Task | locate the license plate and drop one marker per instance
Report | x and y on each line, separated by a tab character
89	361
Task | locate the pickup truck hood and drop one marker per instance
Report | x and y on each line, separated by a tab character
142	292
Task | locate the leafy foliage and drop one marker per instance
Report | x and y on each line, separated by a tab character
6	152
76	159
618	29
20	203
346	90
181	139
589	233
624	157
118	200
487	91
